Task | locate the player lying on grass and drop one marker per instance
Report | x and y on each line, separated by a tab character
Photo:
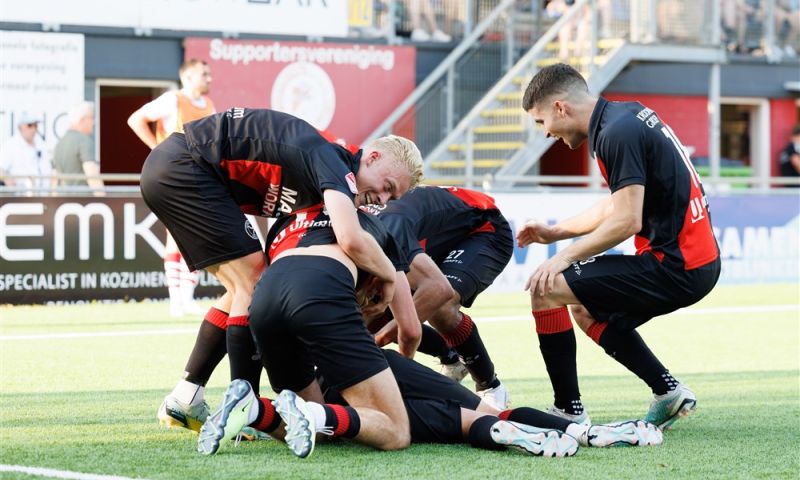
439	410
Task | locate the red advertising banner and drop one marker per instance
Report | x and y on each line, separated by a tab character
348	89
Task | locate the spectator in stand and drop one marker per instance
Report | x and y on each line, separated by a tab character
787	26
579	24
170	112
23	163
74	153
423	8
790	156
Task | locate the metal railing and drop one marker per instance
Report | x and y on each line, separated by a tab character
488	140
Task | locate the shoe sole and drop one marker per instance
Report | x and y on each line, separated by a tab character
171	421
688	405
213	430
286	404
626	434
534	441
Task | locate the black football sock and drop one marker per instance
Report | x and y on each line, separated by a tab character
268	419
242	352
629	349
557	344
480	433
343	421
209	348
466	340
535	418
434	345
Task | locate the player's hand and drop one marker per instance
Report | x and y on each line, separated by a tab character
544	278
380	296
387	334
536	232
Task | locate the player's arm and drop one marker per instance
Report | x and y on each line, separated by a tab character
140	124
409	329
581	224
140	120
624	220
357	243
431	288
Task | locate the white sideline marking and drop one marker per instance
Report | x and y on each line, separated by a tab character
511	318
47	472
135	333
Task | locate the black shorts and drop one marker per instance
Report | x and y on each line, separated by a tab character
627	290
195	206
304	314
473	264
433	401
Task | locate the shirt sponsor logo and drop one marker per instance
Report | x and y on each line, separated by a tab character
652	121
351	182
283	199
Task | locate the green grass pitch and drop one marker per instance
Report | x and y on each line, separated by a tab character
87	403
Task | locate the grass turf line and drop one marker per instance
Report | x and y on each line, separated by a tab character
88	405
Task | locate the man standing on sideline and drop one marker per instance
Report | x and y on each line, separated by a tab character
261	162
74	153
657	196
169	112
23	164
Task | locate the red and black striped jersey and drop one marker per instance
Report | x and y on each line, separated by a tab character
273	163
633	146
313	227
435	219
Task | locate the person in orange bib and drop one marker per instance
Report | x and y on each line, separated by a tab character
170	112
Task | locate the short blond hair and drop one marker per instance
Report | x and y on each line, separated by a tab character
404	152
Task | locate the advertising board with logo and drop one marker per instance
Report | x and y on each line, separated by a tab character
347	89
758	235
85	249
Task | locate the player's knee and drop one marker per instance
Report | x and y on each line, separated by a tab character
399	439
581	316
447	317
544	302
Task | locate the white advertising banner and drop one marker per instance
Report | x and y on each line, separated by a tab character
758	235
288	17
41	74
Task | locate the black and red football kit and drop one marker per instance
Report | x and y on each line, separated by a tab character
460	229
304	311
241	161
677	259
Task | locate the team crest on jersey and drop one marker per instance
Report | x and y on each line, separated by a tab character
250	230
351	182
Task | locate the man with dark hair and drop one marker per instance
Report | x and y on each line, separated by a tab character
201	184
657	196
457	242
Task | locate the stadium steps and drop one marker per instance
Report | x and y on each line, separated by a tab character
503	128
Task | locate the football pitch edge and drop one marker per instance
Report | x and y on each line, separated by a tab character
51	473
